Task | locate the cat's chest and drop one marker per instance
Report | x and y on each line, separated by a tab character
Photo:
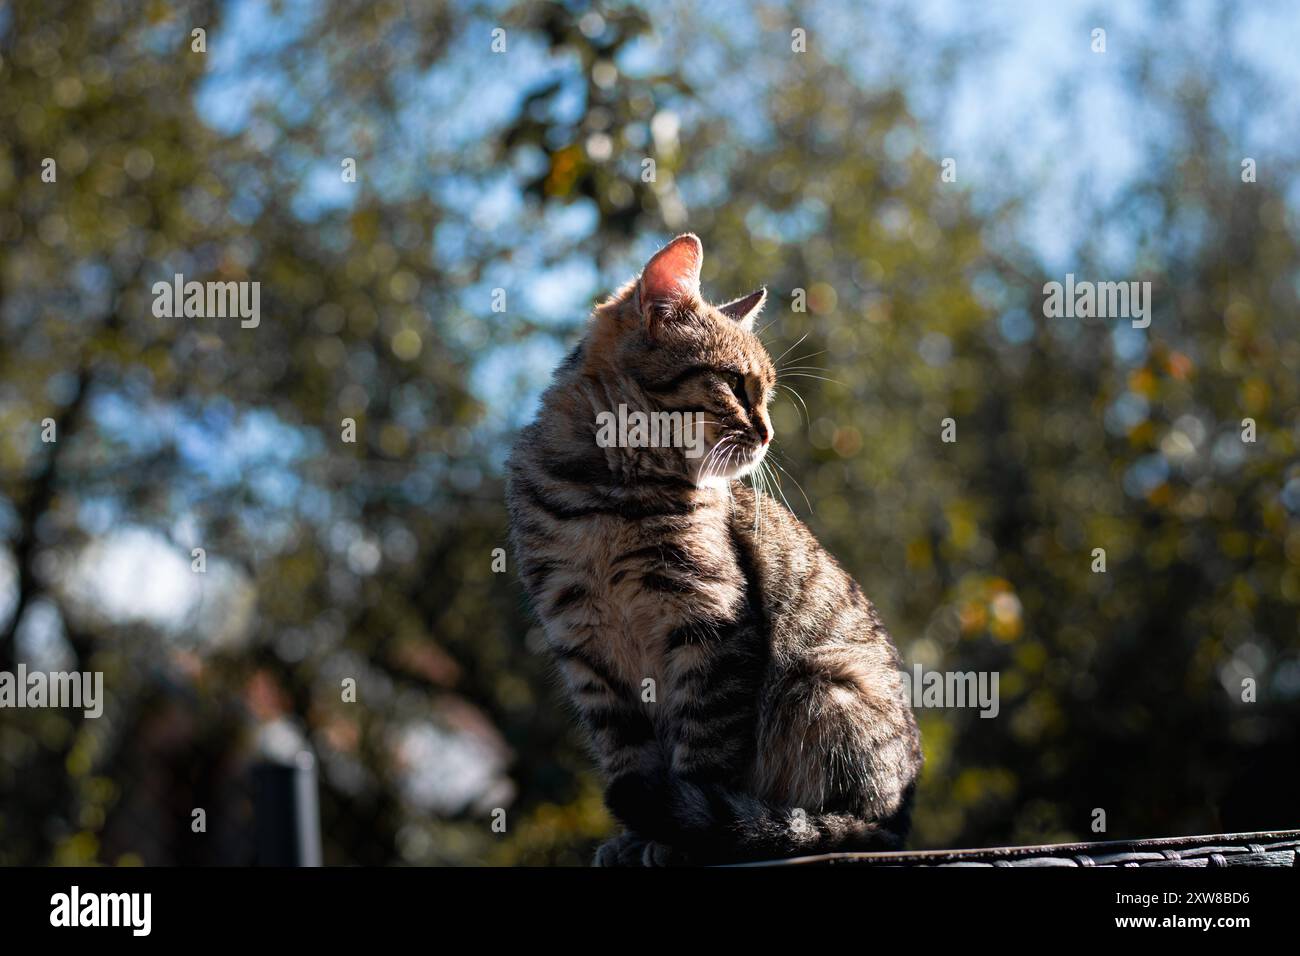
645	584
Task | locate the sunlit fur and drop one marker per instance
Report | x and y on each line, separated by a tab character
775	723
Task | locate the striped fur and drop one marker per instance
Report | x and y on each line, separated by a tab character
775	723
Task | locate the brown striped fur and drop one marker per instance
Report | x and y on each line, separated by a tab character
777	725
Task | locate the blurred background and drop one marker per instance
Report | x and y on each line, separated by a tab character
522	171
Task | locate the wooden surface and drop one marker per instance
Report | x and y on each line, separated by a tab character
1268	848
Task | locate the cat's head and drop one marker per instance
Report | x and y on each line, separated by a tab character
657	346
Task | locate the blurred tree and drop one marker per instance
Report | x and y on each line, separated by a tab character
897	301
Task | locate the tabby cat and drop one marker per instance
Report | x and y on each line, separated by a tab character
741	695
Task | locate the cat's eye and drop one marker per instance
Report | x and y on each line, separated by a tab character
736	382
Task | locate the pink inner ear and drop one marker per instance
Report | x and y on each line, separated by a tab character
674	271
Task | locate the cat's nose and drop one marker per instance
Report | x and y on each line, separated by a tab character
764	428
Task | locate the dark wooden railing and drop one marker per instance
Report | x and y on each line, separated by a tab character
1269	848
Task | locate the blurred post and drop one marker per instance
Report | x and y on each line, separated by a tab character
285	806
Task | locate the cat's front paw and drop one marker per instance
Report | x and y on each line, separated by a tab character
640	801
626	849
661	854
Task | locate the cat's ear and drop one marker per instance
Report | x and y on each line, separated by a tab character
673	273
745	309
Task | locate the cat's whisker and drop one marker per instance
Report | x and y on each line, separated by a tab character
789	386
807	417
716	450
804	358
791	348
730	455
797	485
823	378
771	481
724	462
776	483
704	465
759	485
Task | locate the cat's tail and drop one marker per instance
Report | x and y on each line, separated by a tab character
712	823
